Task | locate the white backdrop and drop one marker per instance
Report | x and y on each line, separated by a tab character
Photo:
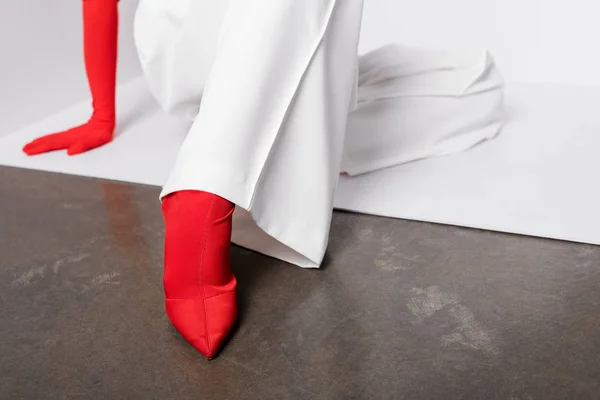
522	182
554	41
41	70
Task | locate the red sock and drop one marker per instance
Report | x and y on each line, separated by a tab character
198	282
100	29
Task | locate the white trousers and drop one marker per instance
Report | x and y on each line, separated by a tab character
269	85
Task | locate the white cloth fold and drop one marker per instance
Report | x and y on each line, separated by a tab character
419	103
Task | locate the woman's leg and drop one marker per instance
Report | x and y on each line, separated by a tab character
100	31
268	138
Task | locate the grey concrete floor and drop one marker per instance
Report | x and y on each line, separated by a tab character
401	310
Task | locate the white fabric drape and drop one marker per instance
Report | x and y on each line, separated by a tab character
271	86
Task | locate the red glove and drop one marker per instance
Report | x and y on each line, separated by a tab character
100	29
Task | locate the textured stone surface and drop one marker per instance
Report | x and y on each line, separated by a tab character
402	310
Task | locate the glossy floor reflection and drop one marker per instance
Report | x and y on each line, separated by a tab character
402	310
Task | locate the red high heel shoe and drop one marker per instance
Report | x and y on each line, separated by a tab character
200	297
